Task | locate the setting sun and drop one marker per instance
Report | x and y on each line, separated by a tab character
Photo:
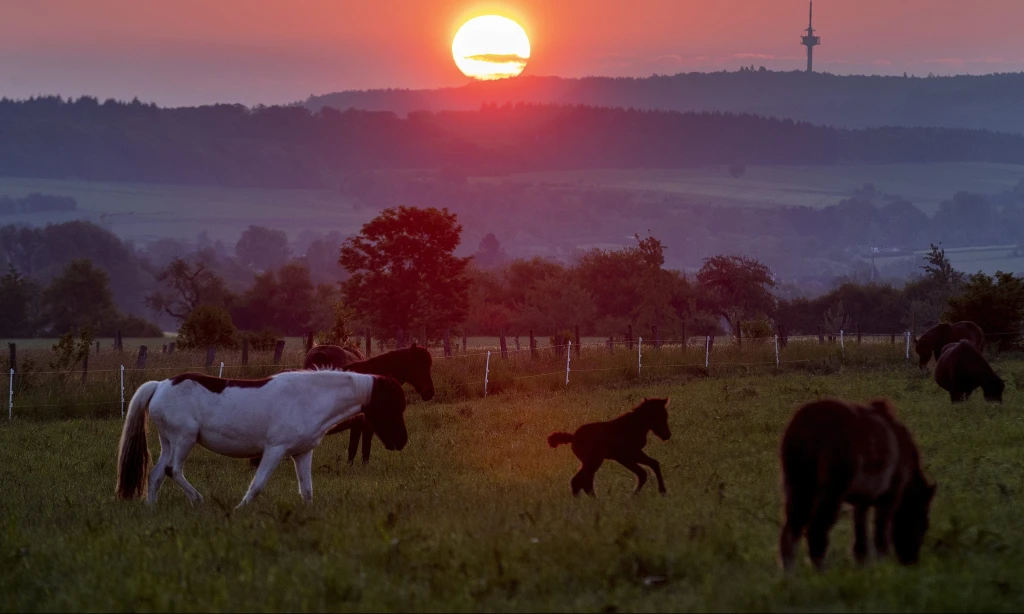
491	47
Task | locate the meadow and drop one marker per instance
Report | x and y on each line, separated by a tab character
476	515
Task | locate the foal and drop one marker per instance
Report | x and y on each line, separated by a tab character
835	451
621	440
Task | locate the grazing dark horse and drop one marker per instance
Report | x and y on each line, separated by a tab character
330	357
409	366
937	337
835	451
962	368
621	440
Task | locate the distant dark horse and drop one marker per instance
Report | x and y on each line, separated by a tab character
408	366
962	368
621	440
835	451
937	337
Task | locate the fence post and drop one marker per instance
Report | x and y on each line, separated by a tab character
423	335
309	341
10	401
245	351
821	336
12	349
119	341
97	347
707	350
463	343
611	343
776	350
447	340
639	349
170	348
517	344
85	367
533	345
140	362
739	333
684	337
221	372
122	391
654	335
487	371
908	345
842	345
577	341
503	345
211	353
629	336
278	350
163	349
568	356
858	335
369	346
892	339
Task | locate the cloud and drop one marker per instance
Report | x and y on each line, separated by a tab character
498	58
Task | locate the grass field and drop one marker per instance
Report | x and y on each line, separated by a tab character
925	185
475	514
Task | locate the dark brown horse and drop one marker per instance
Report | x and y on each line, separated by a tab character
621	440
962	368
835	451
409	366
937	337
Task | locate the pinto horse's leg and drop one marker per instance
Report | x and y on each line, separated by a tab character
641	475
271	458
181	451
159	472
304	473
353	439
655	466
860	533
367	440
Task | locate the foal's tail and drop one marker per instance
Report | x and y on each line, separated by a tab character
557	439
133	451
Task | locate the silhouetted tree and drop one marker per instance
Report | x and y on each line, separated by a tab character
490	253
995	303
19	305
262	248
404	273
207	325
184	287
736	287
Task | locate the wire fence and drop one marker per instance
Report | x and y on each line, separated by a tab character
35	393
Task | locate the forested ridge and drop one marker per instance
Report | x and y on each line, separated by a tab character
233	145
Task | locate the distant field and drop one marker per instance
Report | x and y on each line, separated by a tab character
150	210
925	185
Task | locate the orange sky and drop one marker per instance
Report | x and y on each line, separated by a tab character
272	51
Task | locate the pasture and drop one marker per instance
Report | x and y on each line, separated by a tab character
925	185
475	514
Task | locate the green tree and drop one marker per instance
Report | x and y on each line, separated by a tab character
80	298
995	303
208	325
404	273
940	269
187	286
19	298
736	288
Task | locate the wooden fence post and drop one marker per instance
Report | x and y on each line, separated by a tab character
309	341
503	345
611	343
447	340
423	335
278	350
517	344
245	351
577	342
533	345
85	366
739	333
463	343
163	349
892	339
369	346
629	336
140	362
684	336
211	353
654	337
858	335
119	341
97	347
821	336
170	348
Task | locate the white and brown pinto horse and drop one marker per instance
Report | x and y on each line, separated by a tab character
285	415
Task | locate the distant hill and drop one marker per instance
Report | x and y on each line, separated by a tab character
991	102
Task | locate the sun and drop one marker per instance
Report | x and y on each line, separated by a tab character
491	47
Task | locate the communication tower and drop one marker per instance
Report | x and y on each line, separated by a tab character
810	41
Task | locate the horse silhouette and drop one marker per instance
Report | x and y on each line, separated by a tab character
937	337
962	368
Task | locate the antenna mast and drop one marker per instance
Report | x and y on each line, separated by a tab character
810	41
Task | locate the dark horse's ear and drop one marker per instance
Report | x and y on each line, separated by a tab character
666	399
413	344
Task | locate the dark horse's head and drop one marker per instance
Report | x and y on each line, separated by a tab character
654	413
910	521
924	351
386	412
994	390
416	363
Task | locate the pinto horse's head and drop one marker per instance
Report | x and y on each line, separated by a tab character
417	371
910	521
386	412
655	415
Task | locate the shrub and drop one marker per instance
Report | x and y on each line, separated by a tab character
208	325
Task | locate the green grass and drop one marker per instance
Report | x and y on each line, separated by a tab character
475	514
925	185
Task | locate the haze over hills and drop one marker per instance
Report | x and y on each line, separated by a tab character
990	102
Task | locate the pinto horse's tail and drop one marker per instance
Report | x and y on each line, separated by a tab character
133	451
557	439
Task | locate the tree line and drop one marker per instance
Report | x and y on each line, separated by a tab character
290	146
